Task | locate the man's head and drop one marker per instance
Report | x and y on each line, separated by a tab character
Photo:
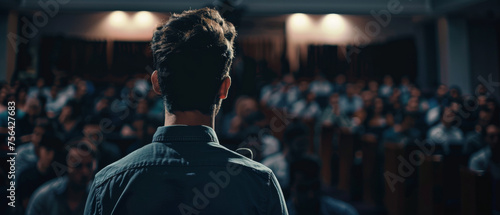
192	53
492	136
81	161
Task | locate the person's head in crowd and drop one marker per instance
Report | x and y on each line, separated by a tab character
491	137
42	126
395	103
54	90
373	86
319	76
245	105
70	111
448	117
350	90
49	150
102	105
129	84
408	121
455	105
306	185
4	93
142	107
334	100
396	93
289	79
388	80
413	105
135	128
92	130
484	116
82	163
310	96
378	105
361	84
81	87
40	82
33	107
415	91
257	119
193	53
405	81
303	86
110	92
455	92
442	90
340	79
367	97
481	100
492	104
60	81
481	90
21	93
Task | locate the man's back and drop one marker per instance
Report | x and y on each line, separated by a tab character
185	171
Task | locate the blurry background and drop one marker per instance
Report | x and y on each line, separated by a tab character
361	88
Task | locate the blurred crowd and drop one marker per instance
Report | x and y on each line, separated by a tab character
69	129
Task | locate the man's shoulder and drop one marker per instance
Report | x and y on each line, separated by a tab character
158	154
482	154
49	189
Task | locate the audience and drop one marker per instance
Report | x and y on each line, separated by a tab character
277	126
67	194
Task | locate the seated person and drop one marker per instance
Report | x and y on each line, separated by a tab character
109	152
67	194
446	133
403	132
50	154
306	108
489	156
26	155
474	139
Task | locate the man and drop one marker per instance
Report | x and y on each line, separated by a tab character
66	195
487	160
446	134
185	170
489	155
49	153
108	152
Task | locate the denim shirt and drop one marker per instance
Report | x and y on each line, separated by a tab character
185	171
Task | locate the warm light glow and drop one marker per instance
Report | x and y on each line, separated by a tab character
143	19
299	22
118	18
333	24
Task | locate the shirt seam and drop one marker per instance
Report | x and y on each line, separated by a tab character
100	183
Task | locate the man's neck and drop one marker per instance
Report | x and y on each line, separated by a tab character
189	118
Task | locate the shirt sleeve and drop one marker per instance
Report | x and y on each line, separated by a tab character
92	204
36	204
277	203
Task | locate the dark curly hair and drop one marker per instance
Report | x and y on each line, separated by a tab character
192	53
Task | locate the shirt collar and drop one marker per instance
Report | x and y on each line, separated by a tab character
185	133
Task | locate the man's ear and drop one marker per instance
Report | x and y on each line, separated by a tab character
224	88
154	82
